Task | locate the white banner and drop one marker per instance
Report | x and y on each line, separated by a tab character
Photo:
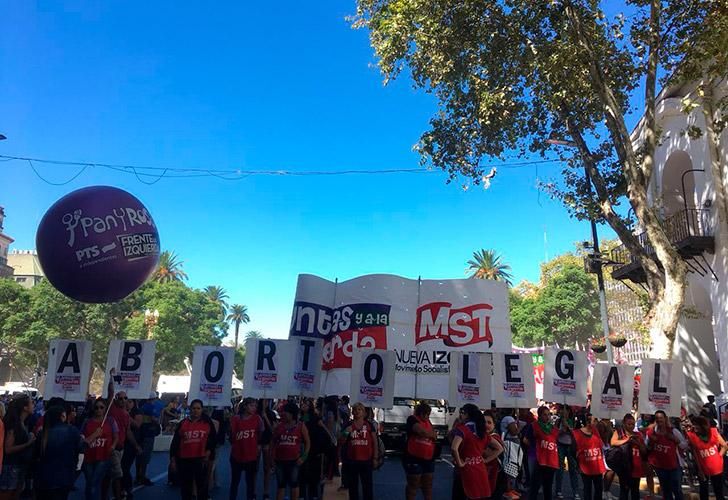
212	375
69	370
612	390
372	378
565	376
513	382
133	361
662	386
267	368
470	379
422	321
306	362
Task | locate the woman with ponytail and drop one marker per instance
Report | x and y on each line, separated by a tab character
471	448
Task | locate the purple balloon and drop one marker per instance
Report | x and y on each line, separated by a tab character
97	244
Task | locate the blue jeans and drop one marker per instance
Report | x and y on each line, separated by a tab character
670	483
94	473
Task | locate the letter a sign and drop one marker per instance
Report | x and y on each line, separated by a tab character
472	379
69	369
212	375
267	365
513	380
133	361
612	390
662	385
372	377
565	376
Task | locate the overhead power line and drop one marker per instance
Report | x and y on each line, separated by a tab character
152	174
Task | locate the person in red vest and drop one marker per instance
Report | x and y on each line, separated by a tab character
663	442
589	456
246	430
361	452
291	445
469	443
189	453
629	484
496	477
709	448
545	436
97	457
418	457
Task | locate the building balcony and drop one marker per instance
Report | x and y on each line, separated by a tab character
689	230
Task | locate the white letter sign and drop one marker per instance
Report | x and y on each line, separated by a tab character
565	376
306	379
612	390
513	381
133	361
267	368
662	386
470	379
69	369
212	375
372	378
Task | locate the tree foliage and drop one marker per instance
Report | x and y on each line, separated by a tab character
488	265
510	74
562	309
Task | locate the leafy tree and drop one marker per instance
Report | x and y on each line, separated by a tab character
219	296
169	268
14	306
238	314
240	361
564	309
509	74
488	265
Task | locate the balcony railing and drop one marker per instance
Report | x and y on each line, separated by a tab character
689	230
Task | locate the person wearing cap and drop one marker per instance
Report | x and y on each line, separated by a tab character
246	430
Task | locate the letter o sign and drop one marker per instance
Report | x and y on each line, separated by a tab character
211	376
373	369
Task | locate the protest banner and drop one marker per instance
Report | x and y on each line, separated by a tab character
565	376
133	362
267	368
212	375
372	378
470	379
69	370
662	386
421	321
612	390
513	383
306	362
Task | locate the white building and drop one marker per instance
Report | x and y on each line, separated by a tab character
684	190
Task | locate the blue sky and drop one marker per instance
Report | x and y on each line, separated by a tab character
268	85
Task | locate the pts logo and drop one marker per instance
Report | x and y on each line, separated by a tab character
455	327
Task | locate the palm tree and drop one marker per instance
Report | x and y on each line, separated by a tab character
238	314
169	268
487	265
253	334
217	294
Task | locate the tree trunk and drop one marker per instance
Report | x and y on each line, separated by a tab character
237	330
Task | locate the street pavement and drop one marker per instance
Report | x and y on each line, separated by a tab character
389	480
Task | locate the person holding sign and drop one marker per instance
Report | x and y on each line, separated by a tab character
709	448
362	451
629	479
418	458
97	458
190	451
545	436
246	430
291	445
663	442
589	456
470	449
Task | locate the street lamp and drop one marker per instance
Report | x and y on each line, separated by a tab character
151	318
597	262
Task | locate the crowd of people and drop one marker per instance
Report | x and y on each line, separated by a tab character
497	454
